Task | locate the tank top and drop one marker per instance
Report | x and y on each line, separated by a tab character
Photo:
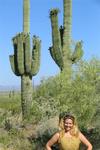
69	143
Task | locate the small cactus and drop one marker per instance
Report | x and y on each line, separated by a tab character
61	51
25	62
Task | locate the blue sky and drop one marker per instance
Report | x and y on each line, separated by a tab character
85	26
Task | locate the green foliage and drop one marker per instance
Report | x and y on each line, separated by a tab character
79	95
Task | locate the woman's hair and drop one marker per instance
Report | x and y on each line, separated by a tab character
74	131
69	116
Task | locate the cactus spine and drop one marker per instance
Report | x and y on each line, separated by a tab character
61	38
25	62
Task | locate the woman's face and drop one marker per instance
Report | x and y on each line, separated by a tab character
68	124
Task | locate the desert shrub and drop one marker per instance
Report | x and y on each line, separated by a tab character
78	94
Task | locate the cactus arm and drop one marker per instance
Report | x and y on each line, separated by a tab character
13	65
35	56
27	51
52	52
57	57
78	52
55	50
11	57
19	55
55	30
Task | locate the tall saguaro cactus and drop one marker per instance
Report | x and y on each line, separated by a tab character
61	51
25	62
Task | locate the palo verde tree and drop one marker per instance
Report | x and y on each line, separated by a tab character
25	62
61	51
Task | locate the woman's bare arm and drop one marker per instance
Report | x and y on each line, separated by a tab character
52	141
85	141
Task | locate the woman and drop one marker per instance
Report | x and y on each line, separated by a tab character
69	137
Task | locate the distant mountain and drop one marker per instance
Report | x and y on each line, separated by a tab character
9	88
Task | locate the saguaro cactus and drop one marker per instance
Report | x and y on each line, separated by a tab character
25	62
61	51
